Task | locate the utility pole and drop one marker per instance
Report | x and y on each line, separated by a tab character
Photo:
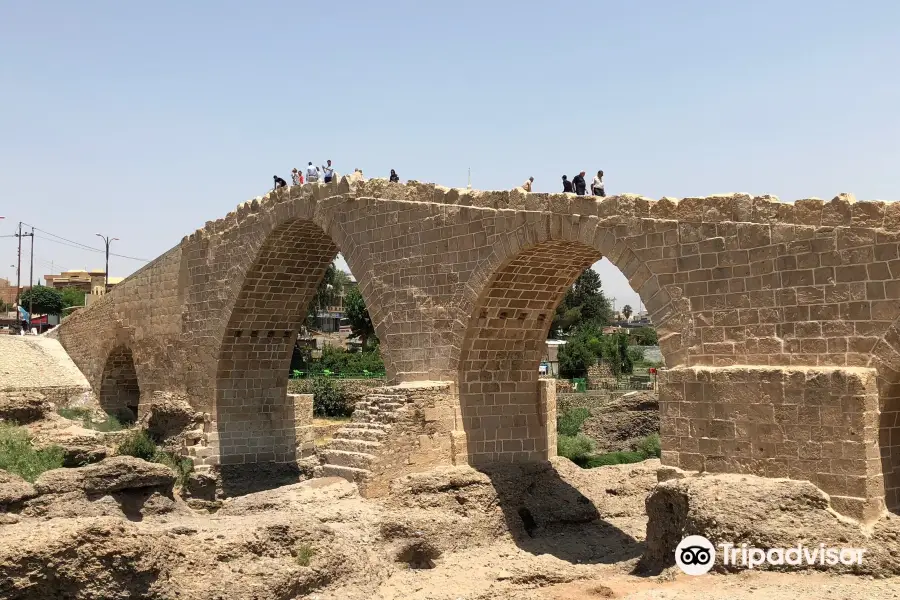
20	235
31	277
106	240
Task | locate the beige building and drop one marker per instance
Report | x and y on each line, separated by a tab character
90	282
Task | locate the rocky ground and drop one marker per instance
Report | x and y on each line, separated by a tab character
115	529
618	422
121	528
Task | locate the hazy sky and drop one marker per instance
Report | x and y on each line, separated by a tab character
144	120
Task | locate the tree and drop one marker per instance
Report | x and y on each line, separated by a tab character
42	300
583	304
327	293
356	312
72	297
644	336
626	310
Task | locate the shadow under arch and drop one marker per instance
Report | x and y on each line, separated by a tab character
255	418
120	392
509	426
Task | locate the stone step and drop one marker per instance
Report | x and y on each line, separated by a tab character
358	460
363	425
354	445
360	433
348	473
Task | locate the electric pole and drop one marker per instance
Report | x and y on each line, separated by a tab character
106	240
31	277
20	235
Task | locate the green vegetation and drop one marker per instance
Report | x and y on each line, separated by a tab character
17	455
587	346
360	323
627	311
337	362
329	400
584	305
72	297
644	336
569	422
305	553
328	292
579	448
138	444
85	415
43	300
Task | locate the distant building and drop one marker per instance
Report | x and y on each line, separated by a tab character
550	359
89	282
8	292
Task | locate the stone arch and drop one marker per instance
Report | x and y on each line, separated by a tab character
255	417
506	414
886	361
120	392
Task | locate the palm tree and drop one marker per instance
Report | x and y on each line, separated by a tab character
626	310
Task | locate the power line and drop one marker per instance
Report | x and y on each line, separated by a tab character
67	242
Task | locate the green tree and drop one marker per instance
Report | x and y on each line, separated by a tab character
42	300
327	292
360	321
644	336
72	297
627	311
583	304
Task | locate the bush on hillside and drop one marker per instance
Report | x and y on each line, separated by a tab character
570	421
18	456
577	448
139	445
329	399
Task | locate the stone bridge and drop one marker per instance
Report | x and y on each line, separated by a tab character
777	322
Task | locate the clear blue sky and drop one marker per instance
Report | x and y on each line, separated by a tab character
145	120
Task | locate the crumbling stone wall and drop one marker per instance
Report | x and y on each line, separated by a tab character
814	423
461	286
119	390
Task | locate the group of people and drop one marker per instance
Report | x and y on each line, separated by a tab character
577	185
313	174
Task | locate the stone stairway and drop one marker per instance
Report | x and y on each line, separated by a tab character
354	448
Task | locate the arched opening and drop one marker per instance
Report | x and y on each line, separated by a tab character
261	417
120	393
500	399
255	418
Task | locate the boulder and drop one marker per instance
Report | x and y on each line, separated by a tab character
168	415
23	406
14	489
109	475
763	513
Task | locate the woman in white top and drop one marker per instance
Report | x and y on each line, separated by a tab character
597	185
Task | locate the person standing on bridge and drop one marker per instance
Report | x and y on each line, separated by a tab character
394	177
567	185
579	184
328	171
597	187
527	185
295	177
312	173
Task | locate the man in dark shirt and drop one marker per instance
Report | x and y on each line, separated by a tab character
279	182
579	184
567	185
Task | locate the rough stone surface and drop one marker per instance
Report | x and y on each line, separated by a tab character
110	475
461	286
763	513
618	422
168	415
22	407
40	364
14	489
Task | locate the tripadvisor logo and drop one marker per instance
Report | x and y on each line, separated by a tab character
696	555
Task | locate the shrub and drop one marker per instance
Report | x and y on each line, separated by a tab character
613	458
329	399
137	444
182	465
577	448
305	552
18	456
85	415
635	354
649	446
569	422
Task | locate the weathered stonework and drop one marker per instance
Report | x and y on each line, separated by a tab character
461	286
814	423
